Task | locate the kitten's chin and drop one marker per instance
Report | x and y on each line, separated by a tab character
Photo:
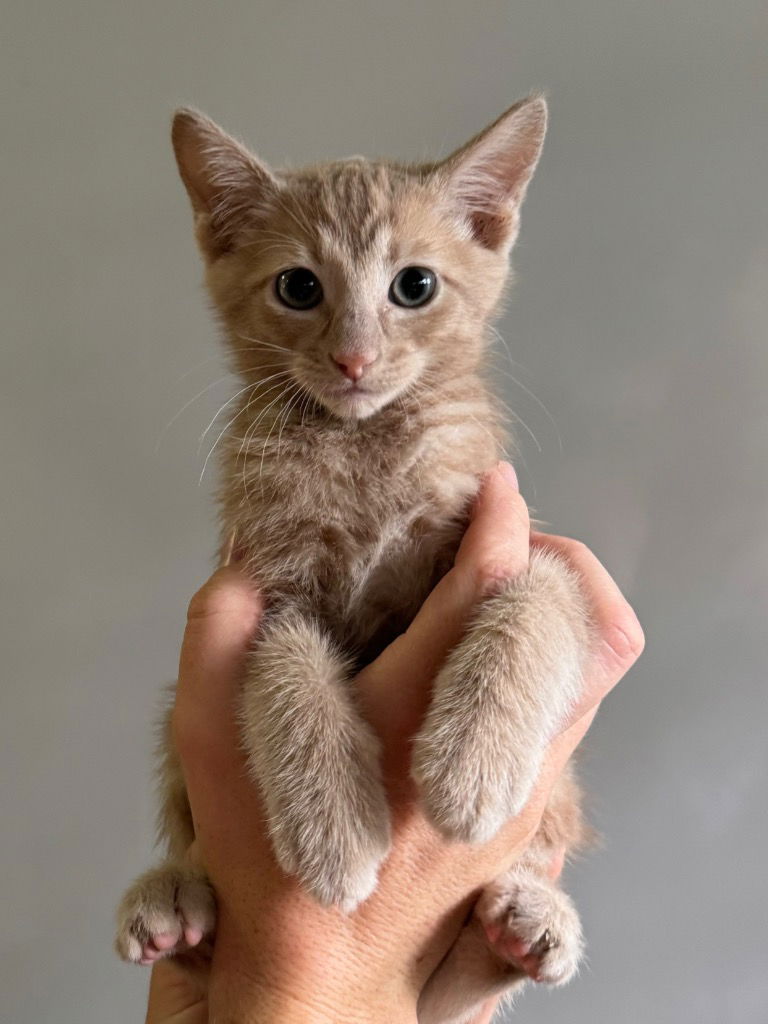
357	403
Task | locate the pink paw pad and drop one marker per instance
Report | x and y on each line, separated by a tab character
169	943
525	954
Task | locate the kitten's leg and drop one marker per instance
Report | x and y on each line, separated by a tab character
523	927
498	700
316	762
171	908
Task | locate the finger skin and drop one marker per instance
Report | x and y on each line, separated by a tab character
618	636
222	617
222	620
175	997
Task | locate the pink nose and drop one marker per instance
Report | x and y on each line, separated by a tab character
354	365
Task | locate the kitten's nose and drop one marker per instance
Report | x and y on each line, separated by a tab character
354	364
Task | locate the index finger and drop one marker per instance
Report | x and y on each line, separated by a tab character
222	619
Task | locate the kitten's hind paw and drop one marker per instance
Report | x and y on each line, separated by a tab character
532	925
166	911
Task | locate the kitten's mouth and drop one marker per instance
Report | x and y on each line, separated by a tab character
352	391
351	399
354	400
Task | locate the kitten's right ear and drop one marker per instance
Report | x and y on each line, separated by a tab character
228	187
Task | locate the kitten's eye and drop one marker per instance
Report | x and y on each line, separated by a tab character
413	286
298	288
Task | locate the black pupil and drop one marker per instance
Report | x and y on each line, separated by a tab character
414	283
299	287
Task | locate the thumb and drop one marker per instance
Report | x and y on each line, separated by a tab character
222	619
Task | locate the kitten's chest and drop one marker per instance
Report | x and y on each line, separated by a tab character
358	532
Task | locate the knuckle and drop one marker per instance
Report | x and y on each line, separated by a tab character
491	575
216	598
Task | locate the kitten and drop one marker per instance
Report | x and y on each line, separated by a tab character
355	297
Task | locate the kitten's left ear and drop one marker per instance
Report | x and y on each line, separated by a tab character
487	178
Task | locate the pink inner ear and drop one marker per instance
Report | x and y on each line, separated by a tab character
226	183
493	230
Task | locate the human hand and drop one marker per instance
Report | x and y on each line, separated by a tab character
279	955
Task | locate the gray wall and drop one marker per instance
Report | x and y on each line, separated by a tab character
639	320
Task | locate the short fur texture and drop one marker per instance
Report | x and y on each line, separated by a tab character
349	465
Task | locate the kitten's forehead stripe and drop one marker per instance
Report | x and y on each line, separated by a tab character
352	203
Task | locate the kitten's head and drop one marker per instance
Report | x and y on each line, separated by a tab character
358	280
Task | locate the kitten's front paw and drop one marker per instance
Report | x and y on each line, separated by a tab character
166	911
316	762
335	852
534	926
470	783
467	805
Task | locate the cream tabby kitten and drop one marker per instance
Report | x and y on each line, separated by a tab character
355	298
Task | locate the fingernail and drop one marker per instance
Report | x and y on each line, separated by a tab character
507	470
226	555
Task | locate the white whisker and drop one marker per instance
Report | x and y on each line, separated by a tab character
524	387
259	343
184	407
266	442
230	422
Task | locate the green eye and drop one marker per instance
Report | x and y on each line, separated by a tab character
298	288
413	286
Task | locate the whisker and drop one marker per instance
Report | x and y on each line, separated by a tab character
520	420
222	408
251	431
228	424
197	366
482	426
250	402
184	407
264	448
298	397
229	401
260	343
524	388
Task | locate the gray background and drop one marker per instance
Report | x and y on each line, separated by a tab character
639	320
